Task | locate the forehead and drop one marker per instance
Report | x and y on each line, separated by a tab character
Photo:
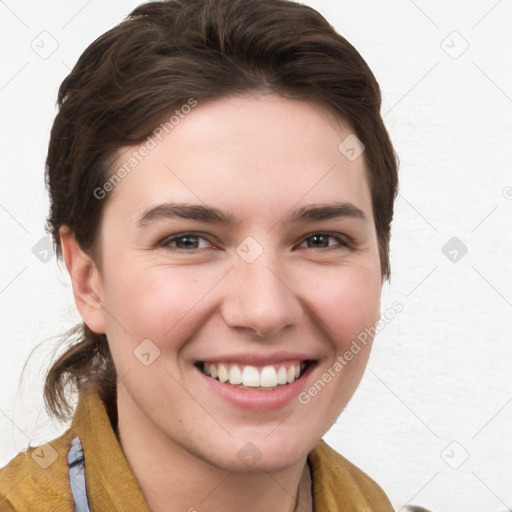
264	152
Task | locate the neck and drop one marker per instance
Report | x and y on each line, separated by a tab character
168	472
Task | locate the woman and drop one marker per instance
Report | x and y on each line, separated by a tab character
222	189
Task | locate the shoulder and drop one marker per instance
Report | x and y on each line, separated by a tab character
37	479
339	483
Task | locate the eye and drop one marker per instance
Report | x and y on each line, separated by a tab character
187	242
191	242
320	241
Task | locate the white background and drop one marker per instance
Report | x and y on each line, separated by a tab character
438	387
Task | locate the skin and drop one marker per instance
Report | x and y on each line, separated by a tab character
258	157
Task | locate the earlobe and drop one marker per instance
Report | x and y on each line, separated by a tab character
85	280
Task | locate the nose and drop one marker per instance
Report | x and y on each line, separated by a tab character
259	297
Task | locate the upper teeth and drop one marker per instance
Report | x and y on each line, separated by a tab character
252	376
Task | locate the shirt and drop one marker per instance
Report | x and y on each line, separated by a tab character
85	470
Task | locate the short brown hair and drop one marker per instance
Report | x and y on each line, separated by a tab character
163	54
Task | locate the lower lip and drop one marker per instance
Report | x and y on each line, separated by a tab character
258	400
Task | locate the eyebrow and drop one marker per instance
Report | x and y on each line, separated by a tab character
209	214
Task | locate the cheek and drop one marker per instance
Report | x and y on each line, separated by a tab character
147	304
153	301
347	303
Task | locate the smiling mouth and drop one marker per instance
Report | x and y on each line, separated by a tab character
263	378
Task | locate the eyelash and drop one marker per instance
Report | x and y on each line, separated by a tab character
165	243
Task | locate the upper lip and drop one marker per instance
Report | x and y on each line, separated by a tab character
259	359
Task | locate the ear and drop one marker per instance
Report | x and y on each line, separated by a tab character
85	280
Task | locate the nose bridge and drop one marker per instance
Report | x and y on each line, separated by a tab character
258	296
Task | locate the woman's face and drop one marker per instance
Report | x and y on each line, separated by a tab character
269	286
